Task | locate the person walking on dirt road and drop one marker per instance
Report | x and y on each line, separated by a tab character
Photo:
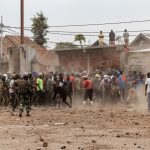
147	89
88	85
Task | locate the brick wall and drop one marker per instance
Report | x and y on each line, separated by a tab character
78	61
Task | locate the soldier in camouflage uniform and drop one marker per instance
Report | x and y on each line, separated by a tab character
5	94
1	88
25	92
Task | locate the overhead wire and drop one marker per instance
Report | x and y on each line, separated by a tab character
51	31
85	33
100	24
16	33
107	23
74	33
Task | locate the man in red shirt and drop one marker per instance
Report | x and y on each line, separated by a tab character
88	85
72	79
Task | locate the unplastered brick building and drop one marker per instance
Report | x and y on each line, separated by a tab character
89	58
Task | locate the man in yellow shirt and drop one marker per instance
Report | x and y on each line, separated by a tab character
101	39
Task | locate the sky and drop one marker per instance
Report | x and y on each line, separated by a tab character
78	12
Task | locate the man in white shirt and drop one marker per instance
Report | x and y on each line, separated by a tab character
126	37
147	89
12	93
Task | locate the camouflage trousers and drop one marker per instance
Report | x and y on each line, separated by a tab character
25	103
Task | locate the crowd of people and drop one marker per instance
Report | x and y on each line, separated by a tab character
60	89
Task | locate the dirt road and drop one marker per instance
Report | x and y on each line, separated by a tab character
110	127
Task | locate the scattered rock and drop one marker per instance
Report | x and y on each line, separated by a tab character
57	124
118	135
134	143
46	125
63	147
38	148
45	144
68	142
136	123
93	141
72	112
139	147
41	139
127	133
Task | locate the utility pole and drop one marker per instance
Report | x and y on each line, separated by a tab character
22	21
1	37
21	52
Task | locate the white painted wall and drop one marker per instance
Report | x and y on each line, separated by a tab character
139	60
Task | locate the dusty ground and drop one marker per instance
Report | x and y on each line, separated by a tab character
110	127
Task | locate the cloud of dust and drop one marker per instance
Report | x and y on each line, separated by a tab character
141	105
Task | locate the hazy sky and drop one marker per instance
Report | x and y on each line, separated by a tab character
65	12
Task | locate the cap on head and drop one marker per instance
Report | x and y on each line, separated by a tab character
5	75
105	76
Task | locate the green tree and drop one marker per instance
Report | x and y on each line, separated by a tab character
62	45
80	38
39	28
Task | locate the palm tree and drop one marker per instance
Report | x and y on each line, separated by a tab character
80	38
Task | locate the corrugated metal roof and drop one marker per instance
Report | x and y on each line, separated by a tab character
43	56
141	37
14	41
147	35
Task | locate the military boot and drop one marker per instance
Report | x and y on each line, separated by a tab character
20	114
28	114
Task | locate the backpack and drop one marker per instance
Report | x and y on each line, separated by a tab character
23	87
